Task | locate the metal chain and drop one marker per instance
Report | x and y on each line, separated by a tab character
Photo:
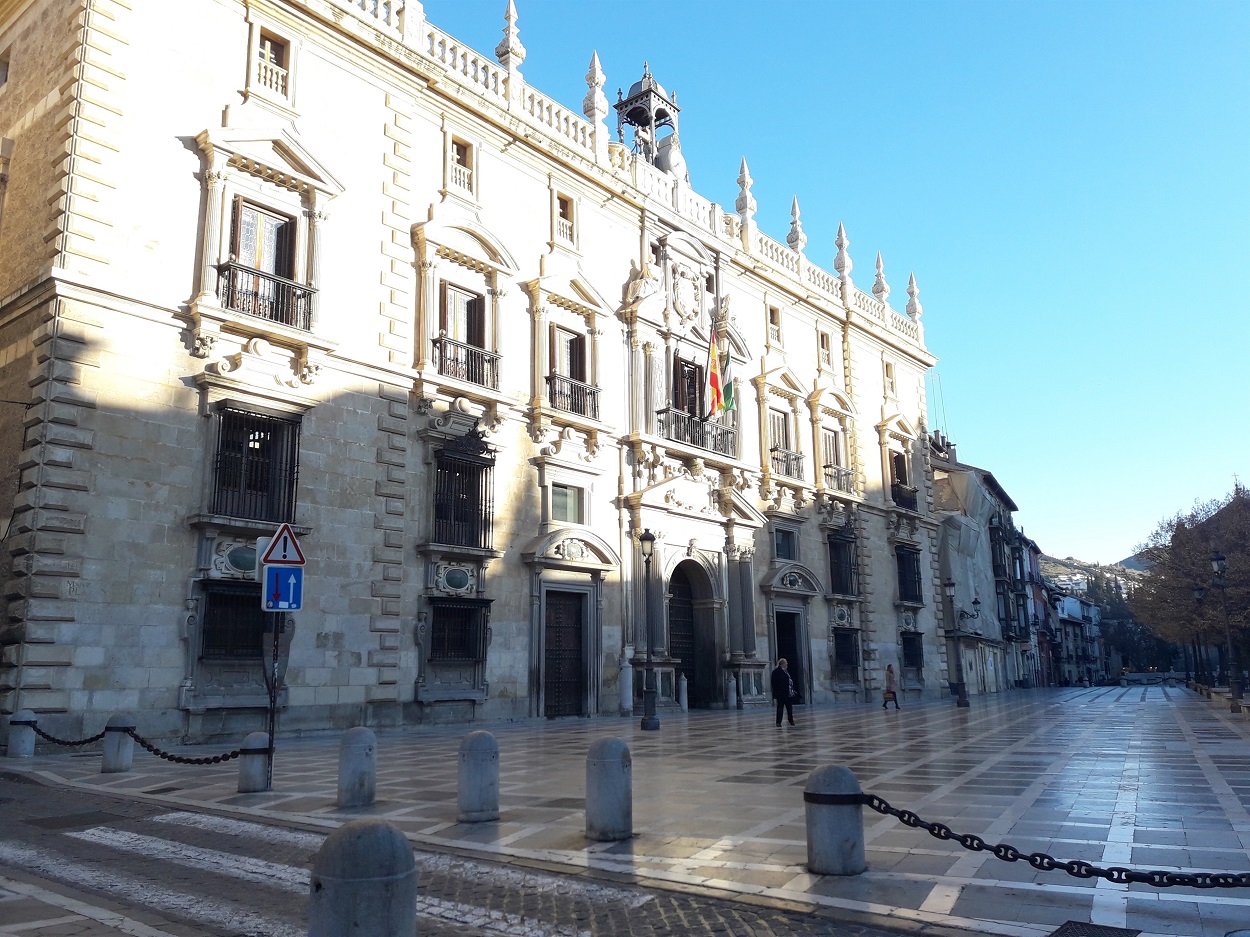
179	759
1077	867
53	739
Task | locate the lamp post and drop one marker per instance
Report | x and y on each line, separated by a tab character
650	721
1218	565
961	616
1200	663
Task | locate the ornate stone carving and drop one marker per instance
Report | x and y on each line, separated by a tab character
796	238
880	288
202	347
572	549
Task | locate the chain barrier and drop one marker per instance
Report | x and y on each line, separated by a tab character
1078	868
144	743
71	743
181	760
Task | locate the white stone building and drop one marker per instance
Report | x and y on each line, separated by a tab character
327	265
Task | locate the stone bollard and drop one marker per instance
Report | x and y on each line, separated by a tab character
22	734
1123	682
478	788
358	768
731	692
119	747
609	791
682	695
835	822
254	763
627	681
364	883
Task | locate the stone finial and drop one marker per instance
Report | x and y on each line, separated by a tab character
796	238
914	309
842	263
595	104
881	289
510	52
746	202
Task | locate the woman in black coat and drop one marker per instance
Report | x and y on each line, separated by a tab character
783	690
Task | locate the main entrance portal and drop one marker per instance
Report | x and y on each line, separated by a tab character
787	624
692	633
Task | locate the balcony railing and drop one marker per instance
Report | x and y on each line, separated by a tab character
785	462
564	230
272	77
904	496
573	396
680	426
266	296
467	362
840	479
462	177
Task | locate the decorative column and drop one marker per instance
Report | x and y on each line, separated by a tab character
746	587
316	219
215	180
735	600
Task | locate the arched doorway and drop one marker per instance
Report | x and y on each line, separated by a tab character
692	632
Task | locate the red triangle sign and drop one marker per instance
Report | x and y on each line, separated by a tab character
283	549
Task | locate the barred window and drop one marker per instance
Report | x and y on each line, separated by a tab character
843	564
256	466
909	587
458	630
845	655
233	621
913	657
463	501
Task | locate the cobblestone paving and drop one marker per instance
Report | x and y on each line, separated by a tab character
1146	777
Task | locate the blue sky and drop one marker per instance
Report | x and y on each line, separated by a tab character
1070	183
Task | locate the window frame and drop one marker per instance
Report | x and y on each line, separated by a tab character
579	499
461	176
843	673
564	234
843	549
223	638
910	580
911	658
824	348
271	82
446	646
787	535
682	396
774	325
280	493
465	481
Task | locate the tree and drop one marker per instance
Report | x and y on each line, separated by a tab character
1178	558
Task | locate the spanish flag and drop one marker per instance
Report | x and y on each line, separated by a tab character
713	389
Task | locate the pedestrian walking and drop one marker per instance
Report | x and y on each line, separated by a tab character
891	688
783	691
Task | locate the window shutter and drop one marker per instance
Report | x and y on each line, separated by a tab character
679	384
578	364
477	322
442	305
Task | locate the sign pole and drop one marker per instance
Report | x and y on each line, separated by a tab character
273	710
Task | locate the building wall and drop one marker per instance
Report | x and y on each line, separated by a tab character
115	544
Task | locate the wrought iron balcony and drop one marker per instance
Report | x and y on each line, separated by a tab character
904	496
573	396
786	462
467	362
683	427
840	479
264	295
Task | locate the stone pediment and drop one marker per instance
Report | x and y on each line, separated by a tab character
568	286
696	493
898	425
795	579
457	232
275	154
569	546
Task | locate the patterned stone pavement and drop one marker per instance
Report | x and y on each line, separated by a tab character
1147	777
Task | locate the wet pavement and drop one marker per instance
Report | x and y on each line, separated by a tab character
1144	777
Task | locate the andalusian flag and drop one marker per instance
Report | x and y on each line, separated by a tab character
727	383
713	389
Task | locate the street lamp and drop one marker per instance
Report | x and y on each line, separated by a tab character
961	688
650	721
1218	564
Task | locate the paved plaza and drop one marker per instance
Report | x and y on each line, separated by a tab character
1146	777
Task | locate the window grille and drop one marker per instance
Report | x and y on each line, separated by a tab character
845	656
913	657
256	466
843	564
463	501
233	621
458	630
909	587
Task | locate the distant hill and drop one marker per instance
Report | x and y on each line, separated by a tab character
1073	574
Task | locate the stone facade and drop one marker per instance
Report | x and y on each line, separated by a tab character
330	266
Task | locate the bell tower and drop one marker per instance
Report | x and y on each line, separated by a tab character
648	109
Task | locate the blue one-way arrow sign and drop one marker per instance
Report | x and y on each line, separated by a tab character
283	589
